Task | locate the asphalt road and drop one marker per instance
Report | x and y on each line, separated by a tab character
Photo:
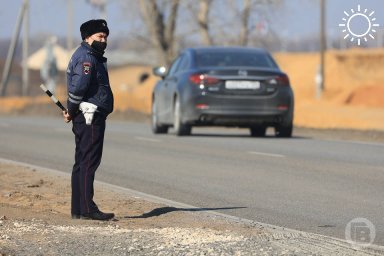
314	185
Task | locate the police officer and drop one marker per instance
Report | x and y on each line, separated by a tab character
88	83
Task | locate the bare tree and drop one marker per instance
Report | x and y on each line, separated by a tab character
161	27
244	31
203	21
200	13
166	27
240	16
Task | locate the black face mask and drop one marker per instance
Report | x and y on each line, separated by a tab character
99	46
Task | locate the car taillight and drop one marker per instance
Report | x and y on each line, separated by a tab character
201	79
279	80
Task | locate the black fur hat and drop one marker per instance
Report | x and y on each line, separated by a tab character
92	27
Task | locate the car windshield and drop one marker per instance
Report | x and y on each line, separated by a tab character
234	59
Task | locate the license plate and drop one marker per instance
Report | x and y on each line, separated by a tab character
242	85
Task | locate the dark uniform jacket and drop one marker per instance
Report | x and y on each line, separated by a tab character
87	80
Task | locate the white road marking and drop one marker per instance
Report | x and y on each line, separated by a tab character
147	139
354	142
265	154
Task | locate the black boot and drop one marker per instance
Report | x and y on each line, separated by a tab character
99	215
76	216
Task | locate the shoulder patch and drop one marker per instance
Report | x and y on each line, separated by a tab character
86	68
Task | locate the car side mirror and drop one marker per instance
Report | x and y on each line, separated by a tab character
160	71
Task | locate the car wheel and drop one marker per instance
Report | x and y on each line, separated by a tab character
181	129
258	131
156	127
284	130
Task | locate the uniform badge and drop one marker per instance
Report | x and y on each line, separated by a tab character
86	68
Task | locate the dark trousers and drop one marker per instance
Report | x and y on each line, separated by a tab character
89	148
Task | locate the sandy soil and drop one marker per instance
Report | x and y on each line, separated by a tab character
26	193
354	83
35	196
34	220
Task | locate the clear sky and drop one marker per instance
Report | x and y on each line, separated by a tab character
298	17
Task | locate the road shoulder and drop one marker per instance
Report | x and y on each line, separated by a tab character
35	206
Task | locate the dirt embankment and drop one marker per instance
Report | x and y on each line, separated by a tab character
354	77
354	85
34	220
354	81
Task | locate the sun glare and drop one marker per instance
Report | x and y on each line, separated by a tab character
364	16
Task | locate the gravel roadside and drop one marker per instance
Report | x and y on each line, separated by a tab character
34	220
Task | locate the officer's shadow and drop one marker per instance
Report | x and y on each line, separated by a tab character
164	210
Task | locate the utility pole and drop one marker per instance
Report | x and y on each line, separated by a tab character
321	84
12	47
380	38
69	26
25	76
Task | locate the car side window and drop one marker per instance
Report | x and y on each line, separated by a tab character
174	67
183	65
